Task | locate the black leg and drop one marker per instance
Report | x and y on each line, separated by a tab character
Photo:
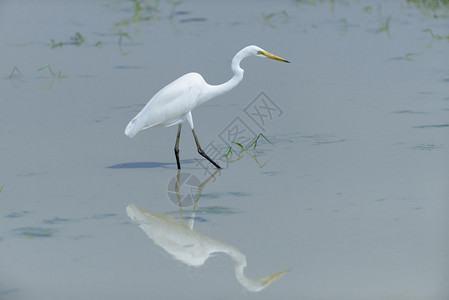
177	146
201	152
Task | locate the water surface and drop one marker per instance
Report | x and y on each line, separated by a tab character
348	200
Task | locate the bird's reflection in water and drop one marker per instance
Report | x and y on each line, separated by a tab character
177	237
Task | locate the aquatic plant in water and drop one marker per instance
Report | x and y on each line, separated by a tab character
229	153
368	9
407	57
173	9
385	26
77	40
268	20
436	36
143	11
53	74
15	73
436	8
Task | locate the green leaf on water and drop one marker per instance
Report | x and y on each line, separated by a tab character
238	144
228	151
256	140
43	67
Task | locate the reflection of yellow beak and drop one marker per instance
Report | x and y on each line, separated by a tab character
275	276
272	56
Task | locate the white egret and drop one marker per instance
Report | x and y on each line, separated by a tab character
174	103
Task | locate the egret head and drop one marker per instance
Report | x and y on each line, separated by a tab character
252	51
262	53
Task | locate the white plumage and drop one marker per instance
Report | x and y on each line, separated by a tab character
173	104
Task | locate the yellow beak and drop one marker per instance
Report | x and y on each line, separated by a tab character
272	56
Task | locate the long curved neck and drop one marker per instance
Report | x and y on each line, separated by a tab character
235	80
217	90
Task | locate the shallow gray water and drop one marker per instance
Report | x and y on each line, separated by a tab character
349	200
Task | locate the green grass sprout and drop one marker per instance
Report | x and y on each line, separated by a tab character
385	27
407	57
15	73
53	44
47	66
256	140
53	74
438	9
229	153
268	20
122	35
436	36
173	8
368	9
76	39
